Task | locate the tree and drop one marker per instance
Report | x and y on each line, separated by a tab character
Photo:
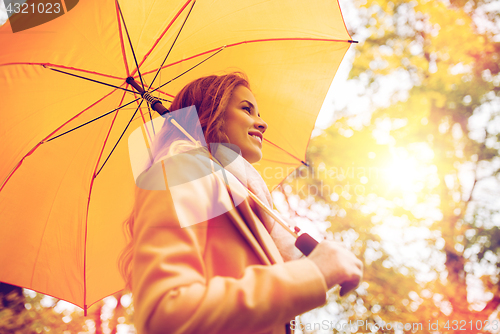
418	170
24	311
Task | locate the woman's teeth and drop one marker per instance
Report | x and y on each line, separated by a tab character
258	138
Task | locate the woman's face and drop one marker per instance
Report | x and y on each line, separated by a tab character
243	125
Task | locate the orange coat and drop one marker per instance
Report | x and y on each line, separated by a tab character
223	275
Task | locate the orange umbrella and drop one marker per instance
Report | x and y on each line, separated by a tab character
67	111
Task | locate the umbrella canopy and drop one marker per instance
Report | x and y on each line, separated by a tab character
64	195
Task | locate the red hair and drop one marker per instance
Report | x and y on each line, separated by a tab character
210	95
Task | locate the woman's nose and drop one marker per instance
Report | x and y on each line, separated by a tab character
261	125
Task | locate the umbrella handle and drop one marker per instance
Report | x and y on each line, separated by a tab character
305	243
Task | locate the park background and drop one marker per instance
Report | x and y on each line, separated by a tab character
403	169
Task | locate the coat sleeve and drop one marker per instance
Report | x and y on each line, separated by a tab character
172	292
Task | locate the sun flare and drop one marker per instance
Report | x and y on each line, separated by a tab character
402	172
407	172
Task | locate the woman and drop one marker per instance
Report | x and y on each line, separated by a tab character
203	257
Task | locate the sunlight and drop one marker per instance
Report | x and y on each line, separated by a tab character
407	172
402	173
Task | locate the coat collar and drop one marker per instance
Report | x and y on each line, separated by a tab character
251	226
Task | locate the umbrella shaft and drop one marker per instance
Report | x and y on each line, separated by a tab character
156	104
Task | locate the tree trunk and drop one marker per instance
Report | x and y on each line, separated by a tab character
98	320
113	323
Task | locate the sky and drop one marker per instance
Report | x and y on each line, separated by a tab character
3	13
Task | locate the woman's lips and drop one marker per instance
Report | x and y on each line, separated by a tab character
259	139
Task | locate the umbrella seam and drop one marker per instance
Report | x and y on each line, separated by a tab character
173	43
280	162
343	56
88	79
129	41
146	19
45	139
342	17
43	233
94	46
87	211
104	144
30	153
162	34
124	54
95	119
65	67
251	41
49	65
290	154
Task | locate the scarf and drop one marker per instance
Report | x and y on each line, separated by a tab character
229	157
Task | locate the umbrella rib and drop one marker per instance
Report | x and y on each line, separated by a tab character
290	154
164	60
172	46
144	122
159	98
138	72
122	45
165	31
96	81
130	43
33	149
150	118
87	213
255	41
280	162
164	93
137	65
95	119
43	234
141	115
121	136
201	62
50	65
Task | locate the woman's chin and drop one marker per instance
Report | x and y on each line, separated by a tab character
253	157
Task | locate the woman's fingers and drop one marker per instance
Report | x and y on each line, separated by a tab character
353	283
347	287
338	265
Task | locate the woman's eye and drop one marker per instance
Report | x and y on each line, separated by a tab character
247	109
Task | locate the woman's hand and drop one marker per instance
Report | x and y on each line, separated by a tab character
338	265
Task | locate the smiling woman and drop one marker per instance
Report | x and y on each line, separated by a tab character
203	257
243	125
